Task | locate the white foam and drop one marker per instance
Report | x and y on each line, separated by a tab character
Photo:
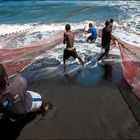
1	46
17	36
10	28
133	24
84	49
128	37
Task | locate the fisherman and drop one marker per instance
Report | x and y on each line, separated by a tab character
15	99
93	32
70	49
106	39
111	24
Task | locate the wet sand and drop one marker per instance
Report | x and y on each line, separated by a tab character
88	104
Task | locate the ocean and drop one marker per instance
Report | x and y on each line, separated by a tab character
18	16
44	12
21	12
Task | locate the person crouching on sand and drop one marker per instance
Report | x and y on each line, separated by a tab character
15	99
70	49
93	32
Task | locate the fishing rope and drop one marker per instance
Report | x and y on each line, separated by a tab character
7	35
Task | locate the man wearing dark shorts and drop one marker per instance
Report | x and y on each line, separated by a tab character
106	39
70	49
68	53
93	32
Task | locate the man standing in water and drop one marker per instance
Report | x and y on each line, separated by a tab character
93	32
111	24
106	39
70	49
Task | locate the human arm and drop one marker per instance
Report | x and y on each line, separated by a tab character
4	104
64	40
88	31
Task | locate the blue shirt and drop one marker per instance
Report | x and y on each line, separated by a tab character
94	32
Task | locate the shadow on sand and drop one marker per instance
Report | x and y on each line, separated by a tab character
107	71
10	130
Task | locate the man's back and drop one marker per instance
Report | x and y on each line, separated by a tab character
69	39
94	32
106	36
111	24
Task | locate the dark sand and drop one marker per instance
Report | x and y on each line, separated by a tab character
88	104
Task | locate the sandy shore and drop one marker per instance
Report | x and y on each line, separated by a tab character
87	102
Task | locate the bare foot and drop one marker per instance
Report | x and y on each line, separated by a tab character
45	108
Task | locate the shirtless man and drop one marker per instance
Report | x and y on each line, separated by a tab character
70	49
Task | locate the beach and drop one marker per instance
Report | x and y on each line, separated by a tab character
86	106
89	102
96	101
